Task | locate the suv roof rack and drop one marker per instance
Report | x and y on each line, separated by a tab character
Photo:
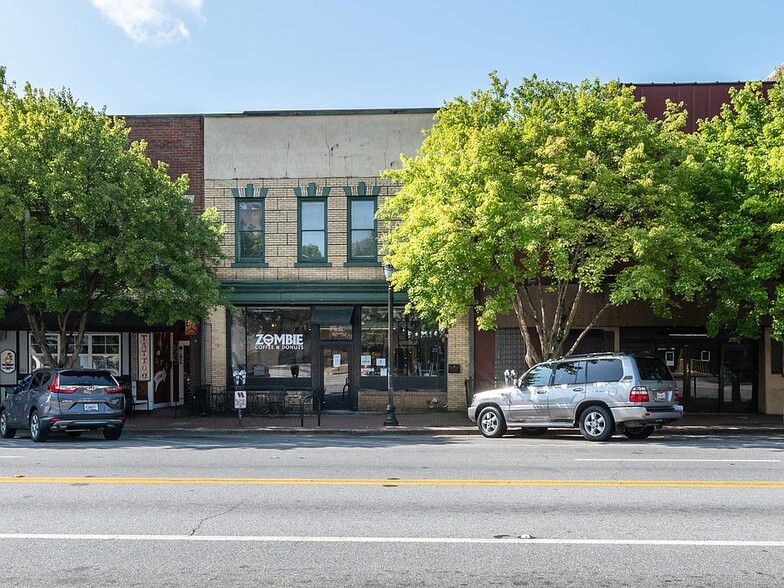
588	355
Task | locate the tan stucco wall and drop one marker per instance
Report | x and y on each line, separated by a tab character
309	145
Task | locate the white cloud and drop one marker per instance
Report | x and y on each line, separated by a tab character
151	21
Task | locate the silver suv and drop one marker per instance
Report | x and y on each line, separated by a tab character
600	392
61	399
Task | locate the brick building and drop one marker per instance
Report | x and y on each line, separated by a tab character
298	191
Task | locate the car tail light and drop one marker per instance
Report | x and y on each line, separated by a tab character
58	389
113	390
639	394
676	395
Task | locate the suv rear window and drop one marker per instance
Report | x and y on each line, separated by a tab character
652	368
604	370
79	378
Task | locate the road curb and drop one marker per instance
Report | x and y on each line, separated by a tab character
696	431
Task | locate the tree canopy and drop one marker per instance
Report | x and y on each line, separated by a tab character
530	200
90	228
741	195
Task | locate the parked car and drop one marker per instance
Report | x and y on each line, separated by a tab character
73	400
600	393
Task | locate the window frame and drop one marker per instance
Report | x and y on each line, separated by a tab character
323	261
241	261
350	257
87	353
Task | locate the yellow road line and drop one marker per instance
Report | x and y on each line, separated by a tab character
401	482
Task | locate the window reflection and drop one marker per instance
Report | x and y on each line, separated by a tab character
271	342
420	349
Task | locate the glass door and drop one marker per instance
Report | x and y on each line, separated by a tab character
336	375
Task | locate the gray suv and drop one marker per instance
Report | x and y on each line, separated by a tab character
600	392
61	399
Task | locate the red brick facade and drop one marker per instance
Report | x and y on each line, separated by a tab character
179	141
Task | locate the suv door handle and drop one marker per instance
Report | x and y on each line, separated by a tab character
541	391
579	389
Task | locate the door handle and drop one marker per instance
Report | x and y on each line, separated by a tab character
579	389
541	391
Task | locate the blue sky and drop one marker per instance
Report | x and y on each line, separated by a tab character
215	56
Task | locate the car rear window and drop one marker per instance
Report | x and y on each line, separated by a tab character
652	368
604	370
79	378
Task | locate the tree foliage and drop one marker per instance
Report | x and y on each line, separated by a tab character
89	227
741	195
533	199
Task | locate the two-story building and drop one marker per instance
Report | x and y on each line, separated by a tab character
298	191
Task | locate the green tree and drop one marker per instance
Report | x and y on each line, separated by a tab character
89	227
741	195
532	200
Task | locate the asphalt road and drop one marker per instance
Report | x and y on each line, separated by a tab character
281	510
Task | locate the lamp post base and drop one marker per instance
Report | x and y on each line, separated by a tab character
390	420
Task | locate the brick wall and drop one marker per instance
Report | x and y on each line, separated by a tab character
177	141
280	225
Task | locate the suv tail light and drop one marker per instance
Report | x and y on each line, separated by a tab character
113	390
639	394
58	389
676	395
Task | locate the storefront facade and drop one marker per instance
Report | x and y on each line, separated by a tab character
298	192
153	364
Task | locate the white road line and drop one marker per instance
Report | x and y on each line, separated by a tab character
673	460
505	540
10	457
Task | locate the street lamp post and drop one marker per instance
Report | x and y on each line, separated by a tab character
390	420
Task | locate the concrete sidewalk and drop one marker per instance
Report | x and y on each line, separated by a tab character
166	422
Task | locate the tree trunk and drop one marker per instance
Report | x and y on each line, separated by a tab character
36	320
551	310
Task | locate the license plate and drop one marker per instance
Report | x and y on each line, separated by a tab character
661	396
91	407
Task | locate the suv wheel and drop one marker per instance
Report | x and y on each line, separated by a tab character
596	424
491	422
112	434
6	432
38	432
642	432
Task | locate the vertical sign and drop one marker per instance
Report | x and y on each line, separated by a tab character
143	355
240	399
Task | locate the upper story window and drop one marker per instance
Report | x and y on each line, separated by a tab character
249	215
362	245
313	230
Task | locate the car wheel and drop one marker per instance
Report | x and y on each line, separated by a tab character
38	432
491	422
6	432
639	432
532	431
112	434
596	424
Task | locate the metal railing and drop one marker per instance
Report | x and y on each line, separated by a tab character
271	402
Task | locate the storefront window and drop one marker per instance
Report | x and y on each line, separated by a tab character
99	351
271	343
420	349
